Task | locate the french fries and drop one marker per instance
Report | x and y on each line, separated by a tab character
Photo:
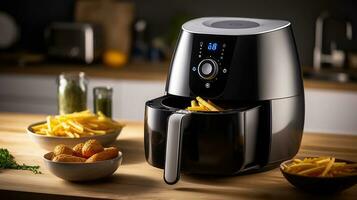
76	125
320	167
201	105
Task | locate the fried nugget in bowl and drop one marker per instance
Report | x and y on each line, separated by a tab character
82	171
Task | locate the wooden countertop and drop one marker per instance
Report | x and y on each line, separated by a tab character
136	179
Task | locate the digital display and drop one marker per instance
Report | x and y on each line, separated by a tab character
212	46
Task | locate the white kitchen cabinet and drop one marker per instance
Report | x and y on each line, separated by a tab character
38	94
331	111
28	94
129	96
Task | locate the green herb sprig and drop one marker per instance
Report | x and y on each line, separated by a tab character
7	161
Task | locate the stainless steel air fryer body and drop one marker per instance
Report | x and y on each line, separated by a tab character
251	68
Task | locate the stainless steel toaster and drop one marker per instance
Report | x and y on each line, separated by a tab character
81	42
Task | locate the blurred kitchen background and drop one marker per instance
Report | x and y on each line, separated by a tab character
128	45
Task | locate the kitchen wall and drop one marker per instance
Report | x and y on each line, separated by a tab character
302	14
164	15
330	111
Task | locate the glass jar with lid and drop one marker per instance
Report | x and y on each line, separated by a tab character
103	100
72	92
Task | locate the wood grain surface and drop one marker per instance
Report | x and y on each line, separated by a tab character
136	179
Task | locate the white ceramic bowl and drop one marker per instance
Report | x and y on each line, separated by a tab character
49	142
72	171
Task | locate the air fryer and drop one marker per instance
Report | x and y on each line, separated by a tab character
250	68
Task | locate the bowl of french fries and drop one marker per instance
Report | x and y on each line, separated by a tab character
84	161
320	174
74	128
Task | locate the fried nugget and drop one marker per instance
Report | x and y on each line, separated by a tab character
91	147
77	150
107	154
68	158
62	149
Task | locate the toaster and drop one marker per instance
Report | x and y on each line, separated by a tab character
80	42
249	67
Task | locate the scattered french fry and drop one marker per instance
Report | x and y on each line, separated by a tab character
194	103
312	170
320	166
76	125
206	104
39	127
328	167
214	105
201	105
197	108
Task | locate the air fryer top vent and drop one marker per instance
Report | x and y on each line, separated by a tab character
233	26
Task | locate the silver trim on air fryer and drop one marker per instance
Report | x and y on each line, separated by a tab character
214	66
173	148
201	26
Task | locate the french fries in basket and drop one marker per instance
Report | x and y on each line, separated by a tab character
78	124
201	105
320	166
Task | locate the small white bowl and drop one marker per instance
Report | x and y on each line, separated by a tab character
72	171
49	142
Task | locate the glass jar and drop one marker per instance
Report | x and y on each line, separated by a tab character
72	92
103	100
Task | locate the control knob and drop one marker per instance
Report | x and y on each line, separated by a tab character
208	69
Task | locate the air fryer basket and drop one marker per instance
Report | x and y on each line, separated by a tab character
210	138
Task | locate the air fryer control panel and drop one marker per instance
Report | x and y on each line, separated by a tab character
210	64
